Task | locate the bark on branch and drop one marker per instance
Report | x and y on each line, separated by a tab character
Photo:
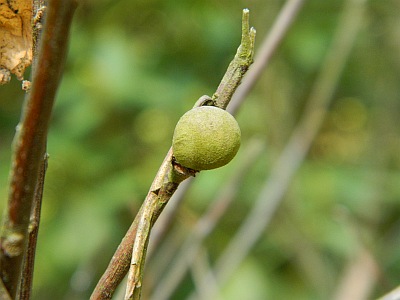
29	144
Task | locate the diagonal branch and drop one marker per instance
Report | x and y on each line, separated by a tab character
160	191
206	224
295	151
30	141
231	80
29	261
165	184
271	42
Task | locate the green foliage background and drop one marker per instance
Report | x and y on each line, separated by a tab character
134	67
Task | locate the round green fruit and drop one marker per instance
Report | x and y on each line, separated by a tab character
206	138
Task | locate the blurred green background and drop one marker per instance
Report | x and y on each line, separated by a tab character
134	67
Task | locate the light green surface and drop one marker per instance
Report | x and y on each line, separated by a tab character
206	138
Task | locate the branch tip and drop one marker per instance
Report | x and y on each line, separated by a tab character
245	18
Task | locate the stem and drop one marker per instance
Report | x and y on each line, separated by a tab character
236	70
30	142
238	66
29	261
170	176
271	42
205	225
164	185
160	192
286	17
294	152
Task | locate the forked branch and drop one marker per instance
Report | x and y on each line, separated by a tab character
132	250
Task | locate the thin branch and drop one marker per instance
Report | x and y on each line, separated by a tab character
174	176
206	224
224	94
162	188
29	261
30	141
271	42
362	271
164	185
359	278
239	65
296	148
166	219
199	268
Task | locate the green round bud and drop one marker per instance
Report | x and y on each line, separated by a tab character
205	138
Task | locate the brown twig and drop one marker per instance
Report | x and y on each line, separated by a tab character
30	141
29	261
121	260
